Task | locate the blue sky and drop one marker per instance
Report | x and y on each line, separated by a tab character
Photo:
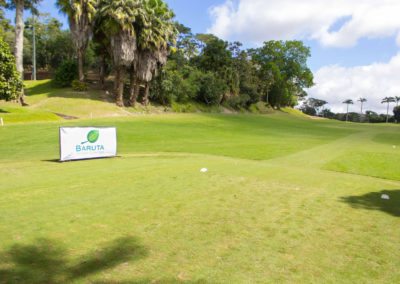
196	15
354	44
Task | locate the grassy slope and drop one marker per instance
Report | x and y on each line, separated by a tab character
46	101
272	208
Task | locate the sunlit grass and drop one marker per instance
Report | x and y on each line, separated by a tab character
285	199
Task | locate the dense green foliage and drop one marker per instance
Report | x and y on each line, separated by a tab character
79	86
224	73
66	73
396	112
10	79
313	107
53	45
4	23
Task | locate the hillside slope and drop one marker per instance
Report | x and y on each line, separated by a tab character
47	103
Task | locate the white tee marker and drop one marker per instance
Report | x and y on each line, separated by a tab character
204	170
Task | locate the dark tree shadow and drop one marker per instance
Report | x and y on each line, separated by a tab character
155	281
374	201
48	88
3	111
121	250
41	262
46	261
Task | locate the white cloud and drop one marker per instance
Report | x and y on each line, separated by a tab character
335	84
322	20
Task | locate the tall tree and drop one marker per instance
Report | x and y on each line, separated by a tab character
397	98
287	62
396	112
10	79
156	33
102	47
117	19
388	100
80	15
53	45
348	102
362	101
4	22
20	6
313	106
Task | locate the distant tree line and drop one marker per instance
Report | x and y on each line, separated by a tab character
316	107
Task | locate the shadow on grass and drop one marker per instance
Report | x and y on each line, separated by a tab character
159	281
48	88
3	111
374	201
45	261
57	161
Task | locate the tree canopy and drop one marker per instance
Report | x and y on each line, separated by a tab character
10	81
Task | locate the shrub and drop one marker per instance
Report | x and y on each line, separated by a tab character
10	79
183	108
237	102
211	89
260	107
79	86
172	85
65	74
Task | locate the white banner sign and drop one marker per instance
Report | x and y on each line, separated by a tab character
79	143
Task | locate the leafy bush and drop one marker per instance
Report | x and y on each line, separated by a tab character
238	102
211	89
79	86
10	79
260	107
65	74
173	85
183	108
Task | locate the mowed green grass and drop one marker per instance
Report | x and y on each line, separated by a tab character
278	204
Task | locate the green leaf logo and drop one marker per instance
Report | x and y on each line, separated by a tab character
93	136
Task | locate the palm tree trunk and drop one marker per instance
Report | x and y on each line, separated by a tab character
19	41
146	94
137	88
116	82
80	65
387	114
119	84
103	72
134	88
347	114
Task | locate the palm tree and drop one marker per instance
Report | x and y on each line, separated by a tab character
80	15
20	6
348	102
156	32
117	19
388	100
397	100
362	101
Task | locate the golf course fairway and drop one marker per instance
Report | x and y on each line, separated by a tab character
286	199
